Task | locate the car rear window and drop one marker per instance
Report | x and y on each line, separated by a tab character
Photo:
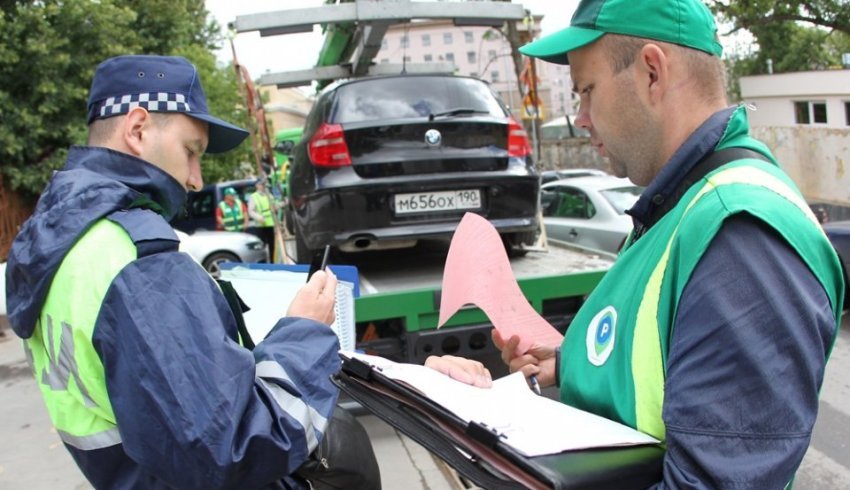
412	97
622	198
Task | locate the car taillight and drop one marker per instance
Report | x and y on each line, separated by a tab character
518	145
327	147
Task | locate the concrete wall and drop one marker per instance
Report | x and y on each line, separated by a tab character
570	153
818	159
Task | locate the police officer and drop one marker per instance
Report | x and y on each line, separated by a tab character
133	345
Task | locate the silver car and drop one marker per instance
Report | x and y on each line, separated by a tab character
211	248
589	211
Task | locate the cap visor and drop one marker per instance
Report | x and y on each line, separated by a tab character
223	136
554	47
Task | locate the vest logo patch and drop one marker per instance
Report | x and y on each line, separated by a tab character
600	336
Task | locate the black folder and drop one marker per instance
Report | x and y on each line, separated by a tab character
477	453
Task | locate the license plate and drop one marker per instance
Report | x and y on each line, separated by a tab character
425	202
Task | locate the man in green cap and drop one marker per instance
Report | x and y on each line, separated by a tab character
231	214
712	329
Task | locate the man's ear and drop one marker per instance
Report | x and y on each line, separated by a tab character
134	133
653	72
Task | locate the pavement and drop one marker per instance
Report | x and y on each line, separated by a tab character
32	456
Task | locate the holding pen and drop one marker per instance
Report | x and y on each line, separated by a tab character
532	380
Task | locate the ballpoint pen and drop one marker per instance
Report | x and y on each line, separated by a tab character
534	384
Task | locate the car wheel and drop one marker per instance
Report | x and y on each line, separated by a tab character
514	241
212	263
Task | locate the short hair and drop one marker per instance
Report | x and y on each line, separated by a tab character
102	130
708	70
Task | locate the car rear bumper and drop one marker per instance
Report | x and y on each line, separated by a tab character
346	214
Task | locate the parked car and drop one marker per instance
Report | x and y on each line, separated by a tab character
568	173
211	248
562	128
589	211
200	209
386	161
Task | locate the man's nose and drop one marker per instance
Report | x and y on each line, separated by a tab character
196	179
583	118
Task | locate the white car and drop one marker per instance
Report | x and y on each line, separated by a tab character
589	211
211	248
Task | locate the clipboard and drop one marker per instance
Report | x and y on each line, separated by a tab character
477	453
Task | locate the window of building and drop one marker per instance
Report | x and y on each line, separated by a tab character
384	44
447	38
405	41
428	57
847	112
406	59
474	74
491	55
494	76
450	57
467	36
385	60
810	112
470	56
426	39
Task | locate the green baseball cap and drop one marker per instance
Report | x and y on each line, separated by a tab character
684	22
230	191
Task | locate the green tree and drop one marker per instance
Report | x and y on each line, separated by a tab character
833	15
48	52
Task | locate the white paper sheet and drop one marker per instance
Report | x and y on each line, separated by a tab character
531	424
268	294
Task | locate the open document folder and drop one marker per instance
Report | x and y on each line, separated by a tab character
533	425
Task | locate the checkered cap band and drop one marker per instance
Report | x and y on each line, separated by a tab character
153	102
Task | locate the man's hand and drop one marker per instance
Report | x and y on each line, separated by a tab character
538	361
461	369
316	299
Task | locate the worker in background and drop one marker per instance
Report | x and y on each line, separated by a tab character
231	213
712	329
260	208
133	345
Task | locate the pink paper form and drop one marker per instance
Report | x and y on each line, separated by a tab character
478	272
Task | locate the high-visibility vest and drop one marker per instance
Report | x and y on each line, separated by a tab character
231	216
615	350
262	204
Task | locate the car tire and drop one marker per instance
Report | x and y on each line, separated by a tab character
211	263
514	241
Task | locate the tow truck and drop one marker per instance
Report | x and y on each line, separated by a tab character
398	308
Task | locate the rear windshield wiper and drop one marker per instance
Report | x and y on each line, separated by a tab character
456	112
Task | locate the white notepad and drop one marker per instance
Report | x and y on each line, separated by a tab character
268	294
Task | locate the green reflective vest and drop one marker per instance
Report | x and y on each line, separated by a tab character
232	216
66	366
262	204
615	351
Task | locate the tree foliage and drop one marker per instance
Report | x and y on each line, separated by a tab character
833	15
792	36
48	53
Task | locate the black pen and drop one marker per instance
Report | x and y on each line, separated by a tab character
320	266
534	384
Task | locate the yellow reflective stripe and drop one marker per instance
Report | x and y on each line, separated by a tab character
647	366
757	176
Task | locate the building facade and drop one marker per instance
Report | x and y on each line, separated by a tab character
804	117
480	52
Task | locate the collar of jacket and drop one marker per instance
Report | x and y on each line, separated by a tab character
698	145
159	189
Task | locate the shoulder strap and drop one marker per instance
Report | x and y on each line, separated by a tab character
149	231
709	163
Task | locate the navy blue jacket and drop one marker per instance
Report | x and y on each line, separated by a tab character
194	409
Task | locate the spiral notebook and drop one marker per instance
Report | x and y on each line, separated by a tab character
268	289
